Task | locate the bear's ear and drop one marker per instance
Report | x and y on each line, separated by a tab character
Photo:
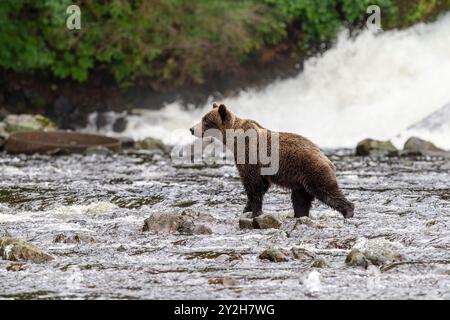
223	112
215	105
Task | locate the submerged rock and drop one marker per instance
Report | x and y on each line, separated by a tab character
16	266
28	122
274	255
76	238
229	257
227	282
183	223
246	223
151	144
377	251
417	147
356	259
19	250
265	221
307	256
376	148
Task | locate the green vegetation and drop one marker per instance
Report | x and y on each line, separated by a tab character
178	41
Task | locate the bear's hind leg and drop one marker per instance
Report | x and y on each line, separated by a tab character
332	196
301	200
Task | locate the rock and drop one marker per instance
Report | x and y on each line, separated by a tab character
28	122
151	144
98	151
246	223
356	259
274	255
121	248
184	223
417	147
319	263
305	255
19	250
201	229
378	251
376	148
227	282
229	257
120	125
76	238
16	266
266	221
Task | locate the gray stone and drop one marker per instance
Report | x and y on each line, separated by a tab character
376	148
356	259
246	223
182	223
417	147
266	221
378	251
19	250
274	255
120	125
151	144
28	122
307	256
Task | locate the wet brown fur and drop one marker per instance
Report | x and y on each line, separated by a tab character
303	168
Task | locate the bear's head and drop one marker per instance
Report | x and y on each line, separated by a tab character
219	118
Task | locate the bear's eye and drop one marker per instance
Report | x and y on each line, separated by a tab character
208	123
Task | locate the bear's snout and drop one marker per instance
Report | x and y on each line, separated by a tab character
192	131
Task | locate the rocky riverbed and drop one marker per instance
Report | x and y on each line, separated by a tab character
98	217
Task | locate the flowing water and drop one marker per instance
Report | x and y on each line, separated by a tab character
383	86
108	198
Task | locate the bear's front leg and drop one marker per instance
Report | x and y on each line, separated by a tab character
255	190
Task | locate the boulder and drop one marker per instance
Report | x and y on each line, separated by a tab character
356	259
151	144
274	255
417	147
182	223
28	122
376	148
266	221
245	223
19	250
378	251
120	125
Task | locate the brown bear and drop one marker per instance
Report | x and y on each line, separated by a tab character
302	167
